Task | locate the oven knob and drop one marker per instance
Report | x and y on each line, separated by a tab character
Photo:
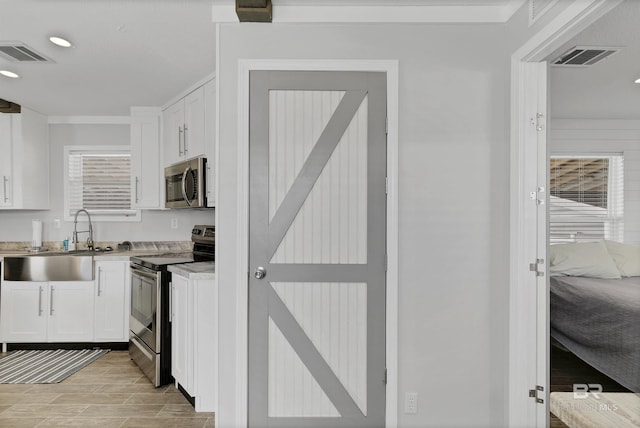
260	272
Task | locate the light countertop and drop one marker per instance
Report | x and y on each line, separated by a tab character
198	270
100	256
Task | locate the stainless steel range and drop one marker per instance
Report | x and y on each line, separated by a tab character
150	327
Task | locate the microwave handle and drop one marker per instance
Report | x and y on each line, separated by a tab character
184	186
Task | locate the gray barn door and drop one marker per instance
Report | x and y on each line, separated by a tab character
317	247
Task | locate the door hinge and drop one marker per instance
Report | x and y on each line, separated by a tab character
538	122
533	393
386	262
386	125
533	267
385	377
386	185
535	196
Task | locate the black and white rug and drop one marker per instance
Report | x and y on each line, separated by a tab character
47	366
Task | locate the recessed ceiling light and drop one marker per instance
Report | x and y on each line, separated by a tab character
637	80
60	41
8	73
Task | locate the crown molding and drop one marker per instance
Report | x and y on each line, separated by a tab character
351	11
89	120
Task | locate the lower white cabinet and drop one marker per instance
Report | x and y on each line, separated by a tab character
182	333
47	311
194	339
22	311
70	313
112	297
73	311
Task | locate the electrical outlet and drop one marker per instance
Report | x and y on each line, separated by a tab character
174	223
56	223
411	402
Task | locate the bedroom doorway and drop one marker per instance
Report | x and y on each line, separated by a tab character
592	144
529	317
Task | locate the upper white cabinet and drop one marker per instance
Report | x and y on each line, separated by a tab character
24	160
189	129
147	174
210	139
184	128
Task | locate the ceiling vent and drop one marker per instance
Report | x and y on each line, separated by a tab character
584	56
16	51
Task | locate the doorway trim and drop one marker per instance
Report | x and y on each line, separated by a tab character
568	23
390	67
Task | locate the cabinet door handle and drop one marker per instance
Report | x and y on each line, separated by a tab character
51	302
136	189
99	280
5	180
180	140
40	301
185	138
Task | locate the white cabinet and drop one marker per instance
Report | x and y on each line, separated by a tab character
112	297
184	132
24	160
147	174
46	311
5	160
22	311
189	128
181	333
194	339
70	311
210	138
73	311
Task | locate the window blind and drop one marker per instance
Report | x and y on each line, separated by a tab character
99	183
586	198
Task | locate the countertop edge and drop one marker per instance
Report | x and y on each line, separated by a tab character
194	271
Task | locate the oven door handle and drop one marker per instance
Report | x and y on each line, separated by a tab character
184	186
142	272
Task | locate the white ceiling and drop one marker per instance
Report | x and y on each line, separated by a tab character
145	52
605	90
126	52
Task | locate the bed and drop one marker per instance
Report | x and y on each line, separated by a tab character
597	316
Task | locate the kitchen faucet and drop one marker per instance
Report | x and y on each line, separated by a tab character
75	229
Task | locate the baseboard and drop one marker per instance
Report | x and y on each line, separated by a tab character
189	398
114	346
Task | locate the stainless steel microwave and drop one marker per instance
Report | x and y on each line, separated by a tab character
185	184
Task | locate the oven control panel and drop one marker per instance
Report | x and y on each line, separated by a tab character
203	233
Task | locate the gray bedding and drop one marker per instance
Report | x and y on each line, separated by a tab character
599	321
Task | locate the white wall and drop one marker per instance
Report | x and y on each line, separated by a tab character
453	196
155	225
586	136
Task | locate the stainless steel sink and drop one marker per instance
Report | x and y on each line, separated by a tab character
49	267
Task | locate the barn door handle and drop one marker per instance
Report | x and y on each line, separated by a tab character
260	272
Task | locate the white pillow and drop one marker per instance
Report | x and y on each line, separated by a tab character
582	259
626	257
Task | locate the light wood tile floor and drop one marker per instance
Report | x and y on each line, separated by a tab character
110	392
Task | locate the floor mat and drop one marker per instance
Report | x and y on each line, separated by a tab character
46	366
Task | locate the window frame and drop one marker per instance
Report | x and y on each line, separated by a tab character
132	215
613	222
